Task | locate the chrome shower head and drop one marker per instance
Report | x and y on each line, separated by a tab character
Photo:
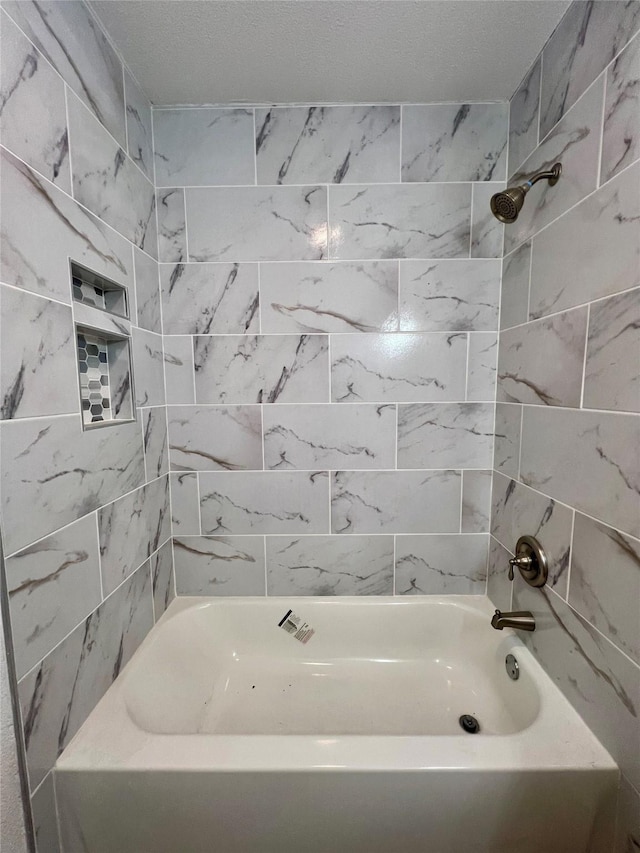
506	205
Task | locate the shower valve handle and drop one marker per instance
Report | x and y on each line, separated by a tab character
519	562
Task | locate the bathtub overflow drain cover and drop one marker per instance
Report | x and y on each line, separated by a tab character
469	724
511	665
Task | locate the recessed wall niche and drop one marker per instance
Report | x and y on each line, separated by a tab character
97	291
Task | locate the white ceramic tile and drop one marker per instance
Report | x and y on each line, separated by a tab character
605	582
219	565
156	452
53	473
325	297
147	292
148	368
476	501
131	529
330	565
139	136
441	565
264	502
621	133
52	586
523	118
499	588
481	375
178	368
257	223
185	506
514	301
162	584
69	37
38	374
172	229
454	142
342	144
459	295
312	437
395	502
612	378
209	438
399	221
487	233
541	362
506	451
203	147
398	367
262	369
592	463
519	511
207	299
33	121
107	182
590	252
445	435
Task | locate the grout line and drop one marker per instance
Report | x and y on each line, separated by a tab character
99	557
322	184
193	372
602	117
291	105
186	229
471	222
461	497
401	134
539	116
584	358
466	379
570	566
197	473
264	551
394	580
529	283
255	153
520	443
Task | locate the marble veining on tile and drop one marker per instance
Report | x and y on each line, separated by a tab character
523	118
398	367
185	505
342	144
148	367
476	501
454	142
487	233
172	233
219	565
210	438
325	297
441	565
506	450
45	819
147	292
162	582
139	135
399	221
312	437
156	452
178	368
514	299
621	132
445	435
482	368
499	588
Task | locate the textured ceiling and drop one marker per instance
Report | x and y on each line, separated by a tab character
328	51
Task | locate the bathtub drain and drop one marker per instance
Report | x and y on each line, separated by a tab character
469	724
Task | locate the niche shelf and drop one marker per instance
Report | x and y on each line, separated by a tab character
99	292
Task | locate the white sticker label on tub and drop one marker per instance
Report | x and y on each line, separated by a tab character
294	625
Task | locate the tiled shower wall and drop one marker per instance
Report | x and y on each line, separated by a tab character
330	282
85	514
567	455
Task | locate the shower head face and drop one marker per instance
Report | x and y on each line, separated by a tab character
506	205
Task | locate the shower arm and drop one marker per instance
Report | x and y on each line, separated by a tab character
552	175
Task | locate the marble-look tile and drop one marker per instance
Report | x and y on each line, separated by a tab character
605	582
583	43
45	819
395	502
172	228
95	318
107	181
257	223
52	586
206	299
148	368
342	144
612	378
628	819
45	229
454	142
476	501
523	117
38	357
261	368
541	362
487	233
592	251
575	142
441	565
59	694
33	121
211	438
263	502
162	582
312	437
499	587
461	295
139	136
602	684
398	367
592	463
481	374
519	511
69	37
131	529
514	301
330	565
400	221
53	472
324	297
445	435
185	504
156	452
621	132
506	449
147	292
219	565
203	147
178	368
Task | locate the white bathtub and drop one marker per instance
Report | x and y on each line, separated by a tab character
225	733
